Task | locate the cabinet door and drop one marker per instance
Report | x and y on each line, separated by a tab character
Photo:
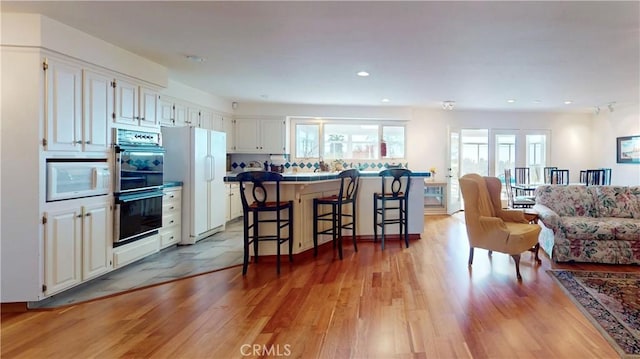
228	128
96	240
272	136
246	136
62	246
235	202
180	114
207	119
148	107
165	111
193	117
98	109
63	113
126	102
227	215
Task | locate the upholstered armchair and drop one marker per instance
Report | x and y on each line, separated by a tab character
491	227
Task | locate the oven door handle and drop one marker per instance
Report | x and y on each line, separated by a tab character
137	197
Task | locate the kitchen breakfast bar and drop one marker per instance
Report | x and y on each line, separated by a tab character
302	188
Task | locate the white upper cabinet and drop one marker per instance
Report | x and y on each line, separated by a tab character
98	109
193	117
166	111
207	119
135	104
262	135
148	107
63	96
180	114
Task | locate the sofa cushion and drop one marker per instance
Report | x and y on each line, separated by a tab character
573	200
588	228
635	192
627	229
615	201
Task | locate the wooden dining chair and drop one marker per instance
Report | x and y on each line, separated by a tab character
547	174
514	201
560	177
522	176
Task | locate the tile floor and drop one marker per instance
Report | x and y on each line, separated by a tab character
221	250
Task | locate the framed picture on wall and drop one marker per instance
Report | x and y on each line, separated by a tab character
628	149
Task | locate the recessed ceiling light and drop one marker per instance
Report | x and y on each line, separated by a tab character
385	100
511	100
362	73
568	102
194	58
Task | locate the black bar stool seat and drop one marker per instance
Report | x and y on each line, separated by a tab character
338	219
263	201
393	198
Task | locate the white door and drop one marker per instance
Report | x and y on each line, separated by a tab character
64	114
454	200
98	108
201	169
96	240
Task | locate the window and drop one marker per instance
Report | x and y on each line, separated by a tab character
348	140
536	156
475	152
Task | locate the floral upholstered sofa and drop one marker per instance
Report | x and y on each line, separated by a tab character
598	224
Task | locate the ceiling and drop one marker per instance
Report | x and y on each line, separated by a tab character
478	54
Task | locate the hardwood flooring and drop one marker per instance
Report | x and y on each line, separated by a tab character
416	302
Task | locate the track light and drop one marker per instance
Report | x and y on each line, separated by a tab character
610	106
597	110
448	105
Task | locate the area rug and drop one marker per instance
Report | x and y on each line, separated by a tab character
611	301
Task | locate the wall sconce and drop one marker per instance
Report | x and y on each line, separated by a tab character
448	105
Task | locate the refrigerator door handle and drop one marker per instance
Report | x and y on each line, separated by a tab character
213	168
207	168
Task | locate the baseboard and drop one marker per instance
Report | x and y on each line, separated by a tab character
17	307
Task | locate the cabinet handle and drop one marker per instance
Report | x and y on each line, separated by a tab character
141	118
88	214
171	222
172	207
78	142
79	216
87	142
137	117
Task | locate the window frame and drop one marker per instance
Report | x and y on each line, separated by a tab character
321	122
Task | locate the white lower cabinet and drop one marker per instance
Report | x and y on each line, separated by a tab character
234	202
171	216
77	242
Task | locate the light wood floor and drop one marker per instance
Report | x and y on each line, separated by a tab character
420	302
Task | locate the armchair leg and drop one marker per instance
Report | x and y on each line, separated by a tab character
470	256
516	258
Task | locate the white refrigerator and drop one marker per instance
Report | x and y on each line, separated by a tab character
197	157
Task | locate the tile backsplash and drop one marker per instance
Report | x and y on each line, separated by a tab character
240	161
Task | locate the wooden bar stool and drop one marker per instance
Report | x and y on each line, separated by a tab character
260	203
339	220
397	192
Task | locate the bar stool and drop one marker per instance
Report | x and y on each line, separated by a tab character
399	180
260	203
349	181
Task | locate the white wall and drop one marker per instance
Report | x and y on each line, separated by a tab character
606	126
198	97
427	129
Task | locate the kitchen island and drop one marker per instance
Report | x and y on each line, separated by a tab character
303	187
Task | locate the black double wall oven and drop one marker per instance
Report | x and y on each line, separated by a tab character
139	161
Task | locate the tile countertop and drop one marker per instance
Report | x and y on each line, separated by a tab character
322	176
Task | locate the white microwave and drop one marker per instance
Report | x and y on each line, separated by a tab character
75	179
